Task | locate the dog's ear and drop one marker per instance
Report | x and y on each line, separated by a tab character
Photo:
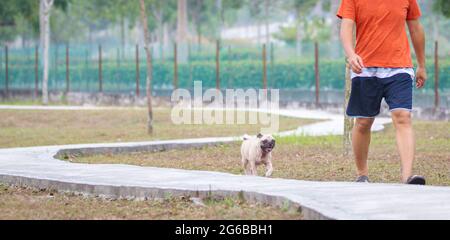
259	135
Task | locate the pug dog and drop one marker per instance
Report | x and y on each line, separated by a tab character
256	151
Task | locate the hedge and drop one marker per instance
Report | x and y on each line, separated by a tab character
233	74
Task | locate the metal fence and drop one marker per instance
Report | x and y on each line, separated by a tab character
97	68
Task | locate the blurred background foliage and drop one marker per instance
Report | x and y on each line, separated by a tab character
288	28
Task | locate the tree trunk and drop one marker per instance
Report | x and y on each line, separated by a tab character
348	122
165	40
266	21
199	36
144	21
44	15
220	17
434	20
182	30
334	41
122	35
299	39
197	22
181	21
258	32
161	36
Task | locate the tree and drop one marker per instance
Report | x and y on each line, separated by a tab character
266	21
44	13
199	16
89	16
442	6
118	12
11	9
301	8
124	11
14	12
8	12
334	43
144	21
182	31
310	23
163	12
69	26
211	14
45	8
255	13
316	29
230	6
182	22
222	7
348	122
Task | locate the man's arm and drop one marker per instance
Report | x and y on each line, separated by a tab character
418	40
353	59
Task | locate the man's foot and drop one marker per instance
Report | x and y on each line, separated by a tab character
416	180
362	179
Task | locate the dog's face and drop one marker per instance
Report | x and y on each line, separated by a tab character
267	142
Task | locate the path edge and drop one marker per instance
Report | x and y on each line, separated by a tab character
148	193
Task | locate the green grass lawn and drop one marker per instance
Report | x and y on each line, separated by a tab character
23	128
21	203
29	103
312	158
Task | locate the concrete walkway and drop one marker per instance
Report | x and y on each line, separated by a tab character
37	167
53	108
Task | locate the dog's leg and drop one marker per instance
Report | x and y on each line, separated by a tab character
253	168
269	169
245	165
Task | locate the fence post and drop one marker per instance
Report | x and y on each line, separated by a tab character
175	66
86	69
36	72
264	60
67	70
55	79
138	75
436	75
118	57
6	72
100	76
217	65
272	55
229	79
189	62
316	70
348	122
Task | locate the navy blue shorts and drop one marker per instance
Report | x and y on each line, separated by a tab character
370	87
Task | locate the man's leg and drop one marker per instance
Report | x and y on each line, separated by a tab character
405	140
361	142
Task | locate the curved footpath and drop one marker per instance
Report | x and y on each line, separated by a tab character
38	167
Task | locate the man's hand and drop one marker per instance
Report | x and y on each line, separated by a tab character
356	63
418	39
353	59
421	77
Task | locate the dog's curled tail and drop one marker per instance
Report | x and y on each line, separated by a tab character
246	137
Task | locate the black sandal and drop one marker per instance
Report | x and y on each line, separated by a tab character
416	180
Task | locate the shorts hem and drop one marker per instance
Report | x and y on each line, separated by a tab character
360	116
404	109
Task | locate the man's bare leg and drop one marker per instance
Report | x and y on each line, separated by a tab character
360	143
405	141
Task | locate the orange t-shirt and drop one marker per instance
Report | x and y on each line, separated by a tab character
381	39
